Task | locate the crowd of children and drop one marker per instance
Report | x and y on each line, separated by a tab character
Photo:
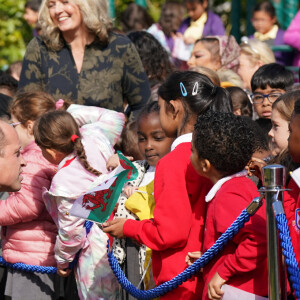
218	113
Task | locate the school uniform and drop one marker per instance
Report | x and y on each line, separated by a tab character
178	223
243	261
291	205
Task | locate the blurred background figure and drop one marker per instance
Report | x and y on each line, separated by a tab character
254	54
172	15
32	8
267	30
154	57
221	54
135	17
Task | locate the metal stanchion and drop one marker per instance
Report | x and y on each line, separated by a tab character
274	177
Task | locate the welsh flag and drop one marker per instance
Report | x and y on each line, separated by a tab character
98	203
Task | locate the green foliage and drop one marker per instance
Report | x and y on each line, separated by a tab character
14	32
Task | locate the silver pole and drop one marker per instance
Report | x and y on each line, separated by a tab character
274	177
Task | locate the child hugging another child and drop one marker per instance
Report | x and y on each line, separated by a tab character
137	200
222	146
80	141
178	222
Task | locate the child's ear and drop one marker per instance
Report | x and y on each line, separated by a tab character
29	126
205	165
205	4
176	107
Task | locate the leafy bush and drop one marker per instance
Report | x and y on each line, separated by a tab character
14	32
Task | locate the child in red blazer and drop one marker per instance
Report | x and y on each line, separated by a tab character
292	198
222	145
179	213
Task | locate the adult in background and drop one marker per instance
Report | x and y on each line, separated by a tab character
79	58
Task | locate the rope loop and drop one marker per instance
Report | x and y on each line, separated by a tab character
187	273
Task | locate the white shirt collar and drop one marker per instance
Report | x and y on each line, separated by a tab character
220	182
296	176
182	139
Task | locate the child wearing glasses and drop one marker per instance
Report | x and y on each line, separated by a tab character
268	83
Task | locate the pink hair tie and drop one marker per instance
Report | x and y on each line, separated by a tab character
59	104
74	137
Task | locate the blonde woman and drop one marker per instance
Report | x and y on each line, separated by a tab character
78	57
253	55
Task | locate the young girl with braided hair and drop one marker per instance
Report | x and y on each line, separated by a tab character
80	141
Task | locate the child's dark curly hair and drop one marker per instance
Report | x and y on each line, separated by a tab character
225	140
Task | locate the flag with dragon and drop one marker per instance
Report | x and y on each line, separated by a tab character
98	203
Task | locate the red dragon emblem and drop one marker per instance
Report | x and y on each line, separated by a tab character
97	198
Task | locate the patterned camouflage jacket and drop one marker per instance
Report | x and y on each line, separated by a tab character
109	75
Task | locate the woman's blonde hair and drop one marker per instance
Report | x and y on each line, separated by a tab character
257	51
94	15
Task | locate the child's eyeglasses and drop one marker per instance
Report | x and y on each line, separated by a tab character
259	98
14	125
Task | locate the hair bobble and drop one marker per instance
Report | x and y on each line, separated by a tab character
59	104
74	137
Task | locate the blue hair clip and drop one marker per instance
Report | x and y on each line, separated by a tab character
183	90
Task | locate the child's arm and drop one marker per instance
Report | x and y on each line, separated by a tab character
172	214
109	121
71	233
292	34
251	241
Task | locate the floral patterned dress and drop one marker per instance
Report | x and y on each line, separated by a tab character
108	76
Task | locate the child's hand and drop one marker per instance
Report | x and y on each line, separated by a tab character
114	227
192	257
129	190
63	272
255	166
114	161
214	287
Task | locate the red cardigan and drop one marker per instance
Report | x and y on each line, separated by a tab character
243	262
178	223
292	210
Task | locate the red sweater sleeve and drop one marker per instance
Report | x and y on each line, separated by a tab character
173	213
251	243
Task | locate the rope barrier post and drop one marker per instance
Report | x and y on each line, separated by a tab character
274	177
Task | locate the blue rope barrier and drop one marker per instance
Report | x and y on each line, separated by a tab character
43	269
187	273
288	252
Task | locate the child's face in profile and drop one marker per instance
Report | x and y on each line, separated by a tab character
152	141
263	99
196	9
294	138
263	22
279	132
